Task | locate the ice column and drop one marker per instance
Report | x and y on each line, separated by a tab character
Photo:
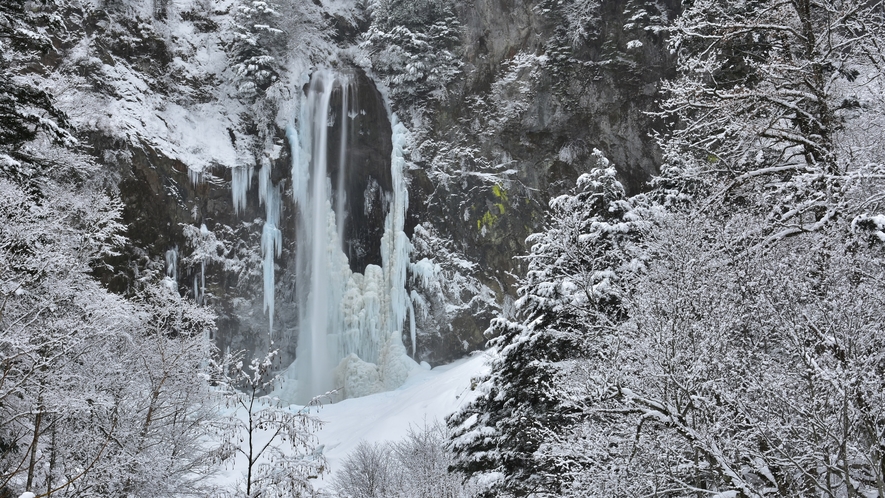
241	182
172	263
271	237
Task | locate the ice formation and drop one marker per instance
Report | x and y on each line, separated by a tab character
350	324
172	263
271	237
241	182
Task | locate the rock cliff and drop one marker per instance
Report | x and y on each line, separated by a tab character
505	103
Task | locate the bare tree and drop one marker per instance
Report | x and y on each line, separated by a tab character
277	442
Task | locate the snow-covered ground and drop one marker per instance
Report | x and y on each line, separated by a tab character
427	396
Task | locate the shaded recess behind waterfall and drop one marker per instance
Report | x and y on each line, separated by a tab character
367	178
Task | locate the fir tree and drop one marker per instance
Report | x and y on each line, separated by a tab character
570	299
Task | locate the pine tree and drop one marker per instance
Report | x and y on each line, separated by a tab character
256	47
411	46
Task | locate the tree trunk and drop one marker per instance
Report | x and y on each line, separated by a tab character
38	418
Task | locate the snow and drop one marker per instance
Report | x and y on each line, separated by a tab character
427	395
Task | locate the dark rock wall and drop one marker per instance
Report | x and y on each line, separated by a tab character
367	177
487	174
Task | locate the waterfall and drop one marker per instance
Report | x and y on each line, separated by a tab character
315	251
349	324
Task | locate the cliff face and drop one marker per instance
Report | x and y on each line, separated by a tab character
513	99
542	85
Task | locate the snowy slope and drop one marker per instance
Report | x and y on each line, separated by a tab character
427	396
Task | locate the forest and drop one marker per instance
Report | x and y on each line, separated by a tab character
711	326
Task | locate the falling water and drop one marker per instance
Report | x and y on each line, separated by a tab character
313	254
350	324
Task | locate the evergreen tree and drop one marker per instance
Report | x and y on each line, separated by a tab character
411	46
255	50
570	301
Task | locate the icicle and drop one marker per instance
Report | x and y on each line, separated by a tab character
395	245
195	176
271	237
300	167
412	332
241	182
172	263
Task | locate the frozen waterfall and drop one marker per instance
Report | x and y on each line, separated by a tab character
350	324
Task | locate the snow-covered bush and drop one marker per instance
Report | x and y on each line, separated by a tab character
416	466
421	464
366	473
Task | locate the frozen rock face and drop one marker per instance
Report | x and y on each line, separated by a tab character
541	84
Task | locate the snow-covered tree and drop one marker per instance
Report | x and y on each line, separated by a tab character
570	302
277	442
257	46
411	46
98	394
739	372
94	388
779	100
